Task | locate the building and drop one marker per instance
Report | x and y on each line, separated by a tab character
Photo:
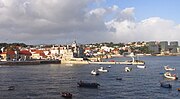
154	47
163	46
8	56
72	51
173	47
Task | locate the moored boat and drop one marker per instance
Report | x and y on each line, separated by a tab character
127	69
165	85
66	95
170	76
167	68
109	66
178	89
141	66
118	78
88	85
94	72
101	69
11	88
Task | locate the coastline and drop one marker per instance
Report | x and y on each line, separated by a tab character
34	62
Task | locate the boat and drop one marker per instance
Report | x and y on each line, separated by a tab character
178	89
170	76
128	69
66	95
165	85
11	88
138	62
101	69
109	66
141	66
94	72
118	78
167	68
87	85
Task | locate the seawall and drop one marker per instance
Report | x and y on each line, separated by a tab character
34	62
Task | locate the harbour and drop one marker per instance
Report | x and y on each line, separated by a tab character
49	80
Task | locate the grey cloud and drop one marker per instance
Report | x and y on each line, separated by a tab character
56	21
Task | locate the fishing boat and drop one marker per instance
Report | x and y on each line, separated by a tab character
170	76
66	95
101	69
165	85
118	78
127	69
11	88
94	72
87	85
178	89
141	66
167	68
109	66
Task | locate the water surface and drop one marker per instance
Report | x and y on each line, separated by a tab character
47	81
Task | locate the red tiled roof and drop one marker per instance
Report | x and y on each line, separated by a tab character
25	52
9	53
40	52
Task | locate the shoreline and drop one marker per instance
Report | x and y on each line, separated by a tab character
35	62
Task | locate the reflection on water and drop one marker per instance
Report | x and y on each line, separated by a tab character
47	81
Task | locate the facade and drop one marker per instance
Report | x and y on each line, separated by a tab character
72	51
163	46
173	47
8	56
154	47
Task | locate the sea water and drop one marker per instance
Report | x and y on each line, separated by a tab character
48	81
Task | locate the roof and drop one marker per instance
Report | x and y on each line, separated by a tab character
9	53
25	52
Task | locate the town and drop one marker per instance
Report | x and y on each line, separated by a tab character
79	52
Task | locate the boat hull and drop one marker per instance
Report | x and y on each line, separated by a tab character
88	85
164	85
169	76
139	66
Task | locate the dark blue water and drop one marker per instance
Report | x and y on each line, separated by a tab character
47	81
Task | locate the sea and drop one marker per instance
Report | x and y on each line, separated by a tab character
49	80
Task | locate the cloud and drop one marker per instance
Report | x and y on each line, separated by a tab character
47	20
62	21
153	28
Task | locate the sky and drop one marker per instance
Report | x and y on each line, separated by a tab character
88	21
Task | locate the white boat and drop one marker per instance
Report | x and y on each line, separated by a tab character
109	66
170	76
141	66
127	69
94	72
101	69
167	68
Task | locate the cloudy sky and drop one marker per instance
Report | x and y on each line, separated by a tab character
88	21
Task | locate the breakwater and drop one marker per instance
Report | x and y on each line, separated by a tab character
89	62
34	62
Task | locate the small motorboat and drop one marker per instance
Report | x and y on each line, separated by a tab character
167	68
141	66
11	88
87	85
109	66
101	69
178	89
118	78
170	76
127	69
165	85
66	95
94	72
